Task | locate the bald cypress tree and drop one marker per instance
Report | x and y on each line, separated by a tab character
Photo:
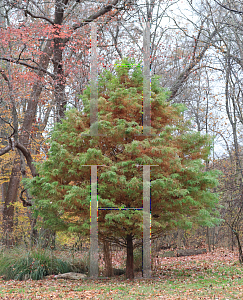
180	186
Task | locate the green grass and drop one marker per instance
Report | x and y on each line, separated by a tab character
208	283
175	279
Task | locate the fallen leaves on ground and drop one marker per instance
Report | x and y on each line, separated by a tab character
215	275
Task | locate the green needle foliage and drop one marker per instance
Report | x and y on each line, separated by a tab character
180	186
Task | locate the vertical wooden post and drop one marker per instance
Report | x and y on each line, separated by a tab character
94	253
94	82
146	81
146	223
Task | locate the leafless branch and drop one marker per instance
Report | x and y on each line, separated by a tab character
21	53
17	61
25	203
9	125
27	12
184	75
5	149
96	15
230	9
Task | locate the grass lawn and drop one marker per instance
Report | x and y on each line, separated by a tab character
216	275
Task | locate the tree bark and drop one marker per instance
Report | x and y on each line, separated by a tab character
239	246
33	230
179	238
107	258
4	191
129	263
8	208
59	44
208	239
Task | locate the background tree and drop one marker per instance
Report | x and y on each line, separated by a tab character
36	70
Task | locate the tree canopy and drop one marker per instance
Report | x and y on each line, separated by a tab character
180	185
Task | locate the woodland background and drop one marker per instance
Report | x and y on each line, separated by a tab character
196	48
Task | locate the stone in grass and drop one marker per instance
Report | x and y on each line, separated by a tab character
168	254
189	252
118	271
71	275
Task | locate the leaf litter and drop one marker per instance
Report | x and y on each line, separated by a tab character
215	275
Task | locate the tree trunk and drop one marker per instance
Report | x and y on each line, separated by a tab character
229	238
107	259
48	238
8	208
60	80
4	192
213	238
129	263
179	238
239	246
33	231
232	241
208	239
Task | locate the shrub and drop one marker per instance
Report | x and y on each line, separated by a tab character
80	265
21	265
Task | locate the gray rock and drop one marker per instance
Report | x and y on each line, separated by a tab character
118	271
71	275
189	252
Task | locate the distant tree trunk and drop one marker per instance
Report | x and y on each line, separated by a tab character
213	238
4	192
129	263
208	239
179	238
58	45
48	238
33	232
53	239
8	208
232	241
107	258
239	246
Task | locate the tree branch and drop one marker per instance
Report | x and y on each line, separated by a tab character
96	15
230	9
28	158
21	53
27	12
10	126
11	145
25	203
4	75
17	61
184	75
5	149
